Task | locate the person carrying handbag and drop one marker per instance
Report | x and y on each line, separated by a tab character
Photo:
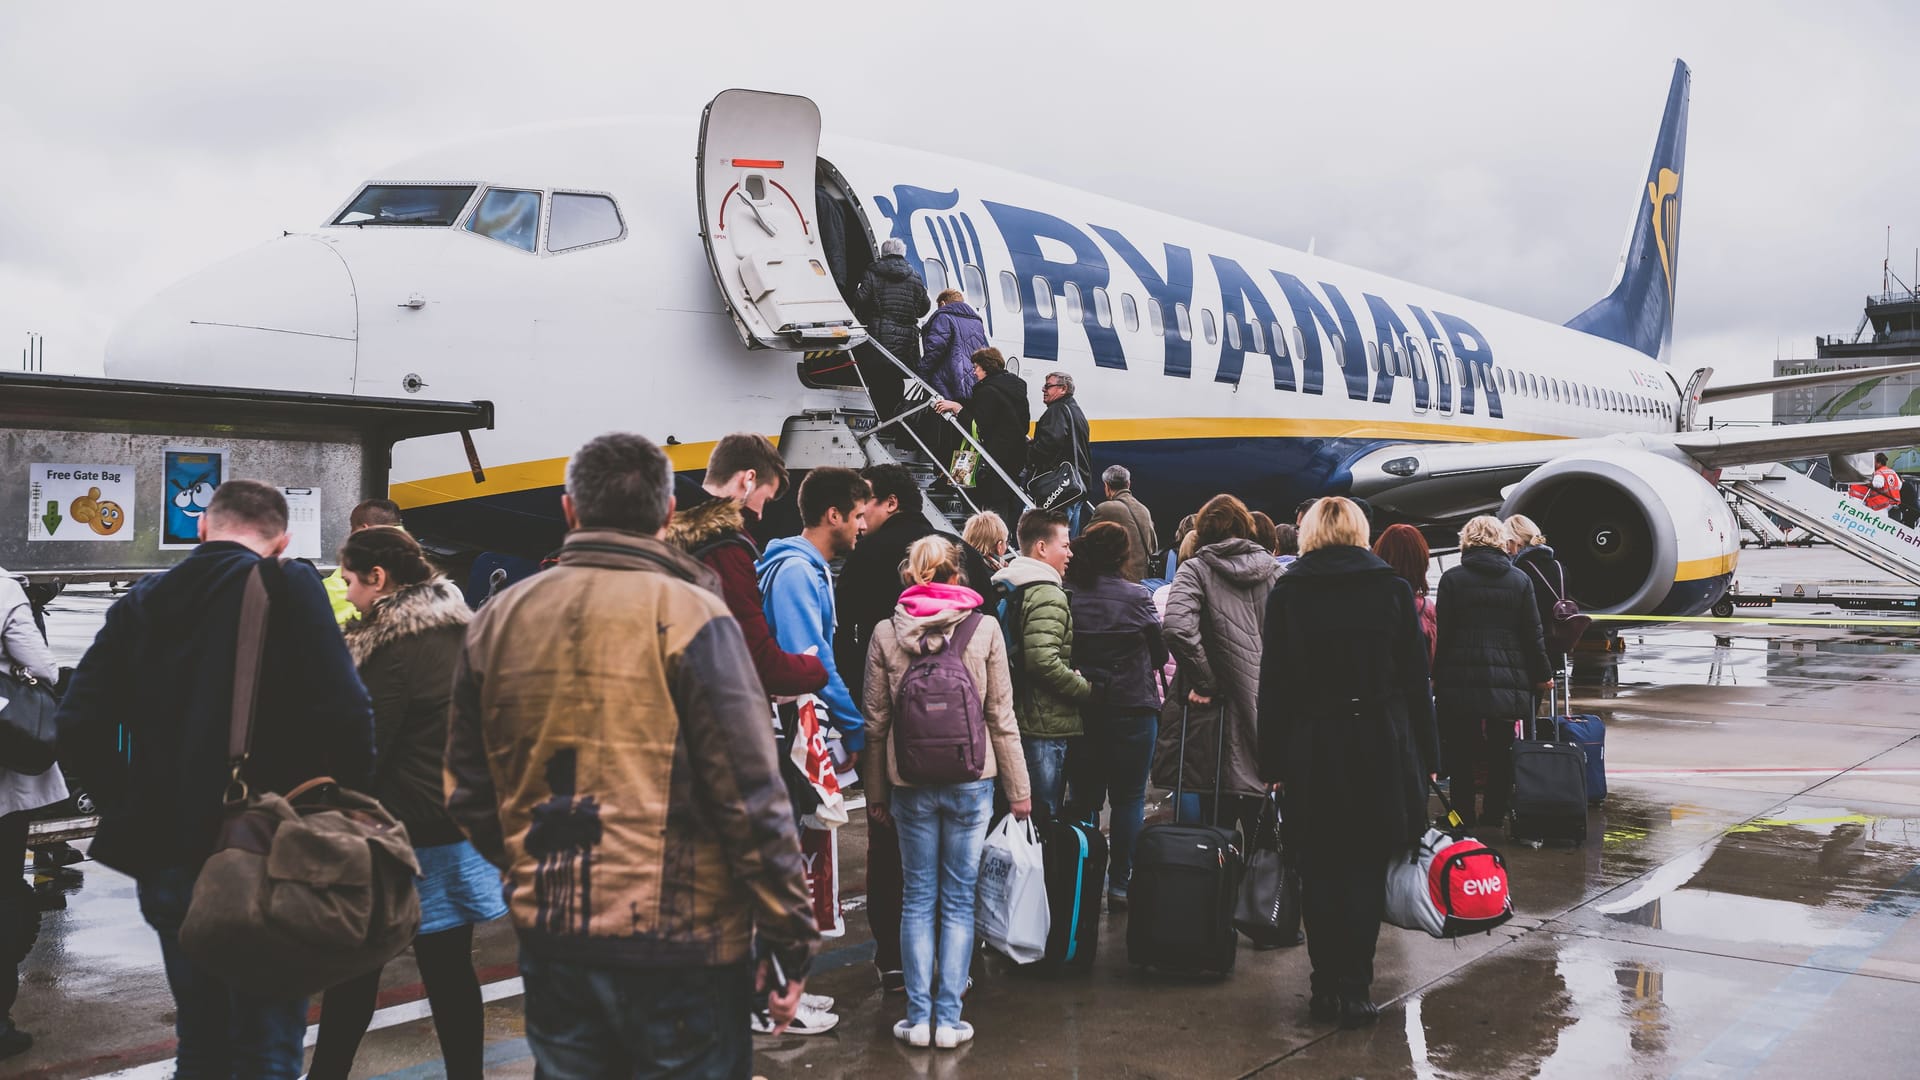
1346	733
27	666
163	667
1060	453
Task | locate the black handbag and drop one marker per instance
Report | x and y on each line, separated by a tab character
26	723
1267	909
1057	487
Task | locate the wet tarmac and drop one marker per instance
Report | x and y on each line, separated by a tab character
1743	907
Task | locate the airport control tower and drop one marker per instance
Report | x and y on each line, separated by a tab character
1889	333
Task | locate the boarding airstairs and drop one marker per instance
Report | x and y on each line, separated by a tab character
1755	520
1836	517
900	440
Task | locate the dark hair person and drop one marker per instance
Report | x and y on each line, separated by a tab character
1212	625
1346	727
1403	548
406	643
1117	645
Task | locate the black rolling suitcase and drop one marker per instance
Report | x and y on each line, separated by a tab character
1185	881
1075	856
1549	784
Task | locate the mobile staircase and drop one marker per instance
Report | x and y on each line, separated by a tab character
1840	519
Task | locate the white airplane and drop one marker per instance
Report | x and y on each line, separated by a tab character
565	274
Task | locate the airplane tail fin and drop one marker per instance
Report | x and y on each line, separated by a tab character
1639	309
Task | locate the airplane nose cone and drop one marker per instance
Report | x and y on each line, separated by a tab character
282	316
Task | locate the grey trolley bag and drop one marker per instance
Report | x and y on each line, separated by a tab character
1185	879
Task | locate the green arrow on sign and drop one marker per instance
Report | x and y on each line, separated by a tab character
52	518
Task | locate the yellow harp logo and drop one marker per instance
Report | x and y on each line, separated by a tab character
1664	194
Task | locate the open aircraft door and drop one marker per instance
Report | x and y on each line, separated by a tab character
756	177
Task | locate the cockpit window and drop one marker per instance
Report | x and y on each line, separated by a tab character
579	220
511	217
431	205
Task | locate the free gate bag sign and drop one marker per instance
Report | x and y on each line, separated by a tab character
85	503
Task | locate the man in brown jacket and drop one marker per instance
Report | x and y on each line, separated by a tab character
595	754
1131	514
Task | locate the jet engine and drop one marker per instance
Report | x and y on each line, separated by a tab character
1638	533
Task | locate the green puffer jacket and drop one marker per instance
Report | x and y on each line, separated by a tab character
1047	691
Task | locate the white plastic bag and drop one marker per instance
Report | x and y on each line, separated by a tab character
1012	913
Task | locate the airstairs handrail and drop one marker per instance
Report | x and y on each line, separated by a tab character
933	395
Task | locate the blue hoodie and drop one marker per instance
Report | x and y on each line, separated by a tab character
797	590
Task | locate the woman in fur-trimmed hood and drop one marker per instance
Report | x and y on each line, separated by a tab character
406	643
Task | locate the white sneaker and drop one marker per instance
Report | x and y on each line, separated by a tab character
949	1037
913	1034
805	1022
816	1002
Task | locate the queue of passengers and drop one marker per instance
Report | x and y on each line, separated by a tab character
591	753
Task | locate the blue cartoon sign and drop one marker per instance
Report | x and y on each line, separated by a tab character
191	473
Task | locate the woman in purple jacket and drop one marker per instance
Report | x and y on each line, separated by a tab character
953	333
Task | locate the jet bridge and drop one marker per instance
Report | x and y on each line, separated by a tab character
1836	517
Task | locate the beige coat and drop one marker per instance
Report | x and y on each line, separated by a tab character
986	658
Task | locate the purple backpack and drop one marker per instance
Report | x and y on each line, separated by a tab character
939	722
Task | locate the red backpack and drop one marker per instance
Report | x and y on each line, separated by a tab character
1468	883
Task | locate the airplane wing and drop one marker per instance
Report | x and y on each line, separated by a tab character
1447	481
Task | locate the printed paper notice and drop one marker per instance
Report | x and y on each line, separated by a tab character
303	522
88	503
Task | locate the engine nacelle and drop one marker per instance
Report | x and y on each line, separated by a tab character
1638	533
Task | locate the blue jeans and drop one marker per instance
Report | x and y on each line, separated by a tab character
1074	512
224	1034
943	830
1046	771
1110	763
589	1023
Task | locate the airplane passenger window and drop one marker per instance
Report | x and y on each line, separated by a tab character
1010	291
1208	327
1533	385
936	276
1156	323
1042	297
1070	292
1400	365
1233	330
1466	378
1259	336
1299	342
1279	340
1373	358
431	205
1129	312
1183	321
1102	307
511	217
578	220
974	285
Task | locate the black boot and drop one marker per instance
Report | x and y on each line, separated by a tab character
13	1041
1357	1012
1325	1007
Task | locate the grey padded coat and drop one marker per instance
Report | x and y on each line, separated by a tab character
1215	613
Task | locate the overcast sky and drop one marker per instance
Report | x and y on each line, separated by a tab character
1494	154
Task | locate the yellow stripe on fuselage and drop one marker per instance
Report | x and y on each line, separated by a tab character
1702	569
534	475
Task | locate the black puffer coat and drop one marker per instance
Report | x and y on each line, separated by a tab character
1546	574
1490	654
1345	720
892	300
